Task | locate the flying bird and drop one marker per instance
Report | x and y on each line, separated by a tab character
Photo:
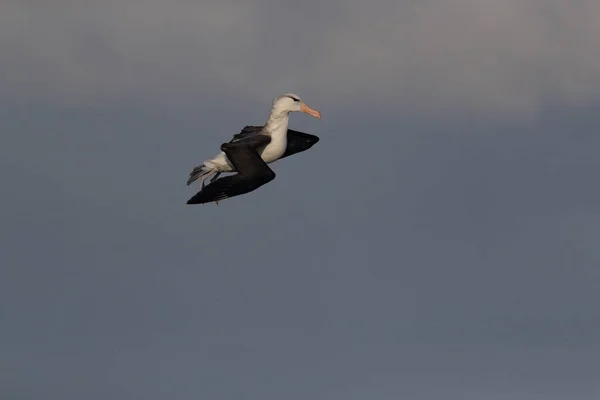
249	152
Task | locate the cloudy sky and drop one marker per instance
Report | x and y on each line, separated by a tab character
439	242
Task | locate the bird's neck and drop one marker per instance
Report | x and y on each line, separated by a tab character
278	123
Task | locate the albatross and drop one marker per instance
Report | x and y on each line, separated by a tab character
249	152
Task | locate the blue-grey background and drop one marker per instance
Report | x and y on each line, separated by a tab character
439	242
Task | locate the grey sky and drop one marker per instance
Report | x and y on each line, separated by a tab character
440	241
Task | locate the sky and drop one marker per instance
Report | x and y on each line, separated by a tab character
440	241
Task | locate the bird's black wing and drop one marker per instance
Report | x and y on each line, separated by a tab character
298	141
253	172
245	133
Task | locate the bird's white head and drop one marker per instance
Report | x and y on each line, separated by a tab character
291	102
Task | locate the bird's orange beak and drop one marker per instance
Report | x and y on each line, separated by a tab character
307	110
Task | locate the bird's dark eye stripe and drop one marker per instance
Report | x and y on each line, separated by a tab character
293	98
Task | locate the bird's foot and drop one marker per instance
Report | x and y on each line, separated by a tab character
214	178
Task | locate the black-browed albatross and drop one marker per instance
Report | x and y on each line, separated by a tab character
249	152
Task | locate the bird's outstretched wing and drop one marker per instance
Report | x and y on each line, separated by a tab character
247	132
298	142
252	173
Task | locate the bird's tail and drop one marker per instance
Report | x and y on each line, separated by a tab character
200	172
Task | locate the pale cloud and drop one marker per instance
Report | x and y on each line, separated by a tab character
483	55
434	57
106	50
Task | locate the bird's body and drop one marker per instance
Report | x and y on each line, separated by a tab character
267	143
270	152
